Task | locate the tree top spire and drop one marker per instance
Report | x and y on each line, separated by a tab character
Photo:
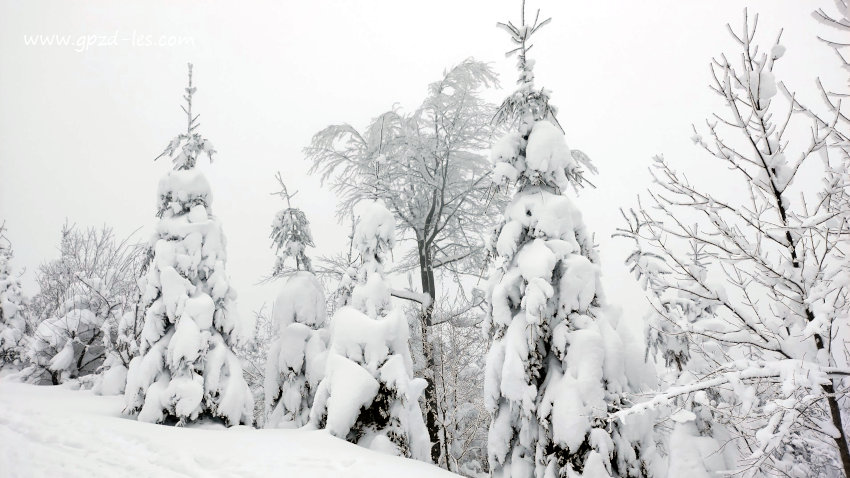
190	143
521	35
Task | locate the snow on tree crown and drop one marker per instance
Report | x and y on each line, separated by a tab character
525	100
535	153
374	234
184	187
189	144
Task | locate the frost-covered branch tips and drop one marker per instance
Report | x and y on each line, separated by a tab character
840	22
189	144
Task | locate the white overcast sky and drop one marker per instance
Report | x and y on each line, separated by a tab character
79	129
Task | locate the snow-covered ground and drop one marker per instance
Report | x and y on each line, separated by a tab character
55	431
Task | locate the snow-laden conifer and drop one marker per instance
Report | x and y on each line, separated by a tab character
296	358
369	395
557	365
187	368
12	324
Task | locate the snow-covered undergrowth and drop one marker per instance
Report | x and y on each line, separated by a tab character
54	431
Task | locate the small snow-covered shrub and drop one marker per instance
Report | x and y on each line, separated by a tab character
85	295
296	360
368	395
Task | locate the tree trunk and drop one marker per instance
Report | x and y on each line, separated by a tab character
841	439
426	274
834	410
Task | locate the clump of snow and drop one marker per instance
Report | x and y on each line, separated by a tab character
348	388
507	162
547	154
182	189
375	229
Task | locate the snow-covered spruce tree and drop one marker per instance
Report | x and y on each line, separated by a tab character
368	395
187	368
557	364
12	323
296	359
749	284
290	235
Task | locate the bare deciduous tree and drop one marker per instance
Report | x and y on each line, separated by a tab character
749	288
430	169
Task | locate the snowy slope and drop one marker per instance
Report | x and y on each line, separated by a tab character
54	431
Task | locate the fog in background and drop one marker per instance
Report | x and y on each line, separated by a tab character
80	124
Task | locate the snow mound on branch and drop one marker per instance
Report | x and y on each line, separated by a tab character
505	155
361	338
301	300
58	344
547	150
189	186
547	160
375	223
349	387
369	360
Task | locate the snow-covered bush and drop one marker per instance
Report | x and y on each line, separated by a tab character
558	364
67	346
368	395
187	368
12	323
84	295
296	360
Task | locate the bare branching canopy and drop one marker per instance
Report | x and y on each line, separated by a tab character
745	282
